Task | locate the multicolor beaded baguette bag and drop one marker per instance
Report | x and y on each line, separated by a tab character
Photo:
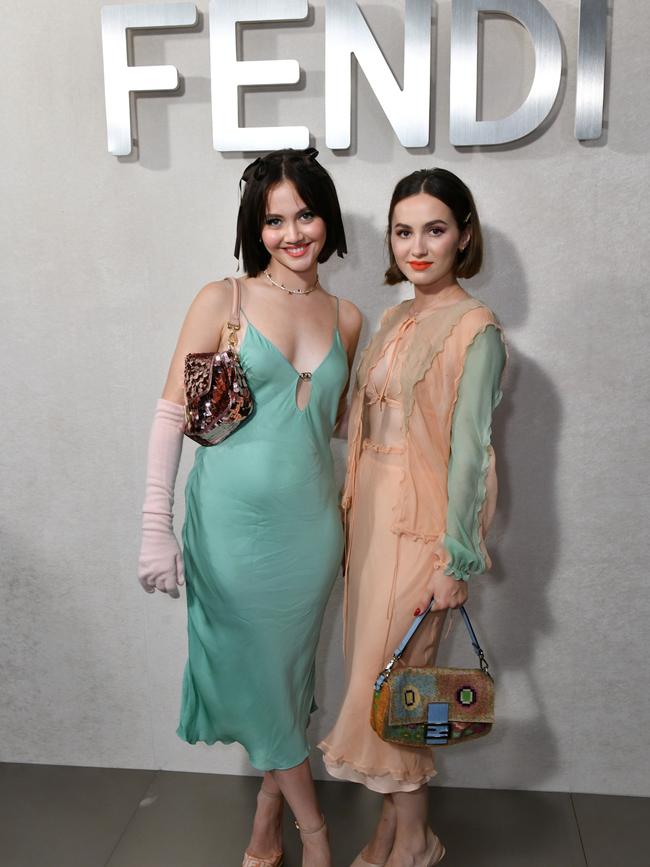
217	396
433	707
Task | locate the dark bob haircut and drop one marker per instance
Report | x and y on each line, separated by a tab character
315	187
449	188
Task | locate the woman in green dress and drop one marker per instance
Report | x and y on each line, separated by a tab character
262	540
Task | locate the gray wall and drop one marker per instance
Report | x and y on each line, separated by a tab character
101	258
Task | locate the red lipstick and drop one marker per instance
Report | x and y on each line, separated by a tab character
420	266
297	250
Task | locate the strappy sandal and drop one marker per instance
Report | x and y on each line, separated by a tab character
255	860
434	854
252	861
303	833
436	851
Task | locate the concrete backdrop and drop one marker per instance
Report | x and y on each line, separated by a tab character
101	257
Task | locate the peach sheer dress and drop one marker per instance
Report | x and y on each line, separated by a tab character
386	573
403	462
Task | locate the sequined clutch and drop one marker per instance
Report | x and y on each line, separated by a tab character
217	396
433	707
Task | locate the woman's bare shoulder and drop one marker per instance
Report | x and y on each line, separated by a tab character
215	296
206	317
350	316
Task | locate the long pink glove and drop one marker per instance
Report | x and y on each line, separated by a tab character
160	566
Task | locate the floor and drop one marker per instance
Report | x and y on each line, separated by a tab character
53	816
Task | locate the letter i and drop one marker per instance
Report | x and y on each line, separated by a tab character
590	88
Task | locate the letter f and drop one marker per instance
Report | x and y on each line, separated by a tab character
120	78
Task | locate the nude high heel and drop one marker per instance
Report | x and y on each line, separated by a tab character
254	860
434	854
435	851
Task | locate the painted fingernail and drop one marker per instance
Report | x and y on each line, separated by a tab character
416	612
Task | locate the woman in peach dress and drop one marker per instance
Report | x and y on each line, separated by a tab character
419	493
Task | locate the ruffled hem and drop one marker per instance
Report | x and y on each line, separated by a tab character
381	448
260	763
461	563
417	536
420	362
421	359
384	780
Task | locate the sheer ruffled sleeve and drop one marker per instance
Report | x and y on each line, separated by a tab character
479	393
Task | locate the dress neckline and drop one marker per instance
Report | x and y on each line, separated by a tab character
428	311
336	339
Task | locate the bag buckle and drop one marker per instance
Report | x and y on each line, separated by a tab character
233	328
438	728
438	733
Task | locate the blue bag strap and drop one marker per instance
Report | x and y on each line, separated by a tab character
401	647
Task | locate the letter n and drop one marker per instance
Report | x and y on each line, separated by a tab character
407	109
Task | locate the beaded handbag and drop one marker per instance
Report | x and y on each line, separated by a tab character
433	707
217	396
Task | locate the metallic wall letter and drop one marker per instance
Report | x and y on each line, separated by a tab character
347	33
592	50
228	74
120	78
464	128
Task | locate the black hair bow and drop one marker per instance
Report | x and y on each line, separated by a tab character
257	169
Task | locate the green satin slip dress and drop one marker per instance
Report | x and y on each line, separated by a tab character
262	546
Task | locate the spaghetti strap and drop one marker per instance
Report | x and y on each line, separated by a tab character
337	310
236	302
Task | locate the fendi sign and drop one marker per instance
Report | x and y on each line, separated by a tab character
346	34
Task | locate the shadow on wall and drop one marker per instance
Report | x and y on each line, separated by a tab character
524	551
525	534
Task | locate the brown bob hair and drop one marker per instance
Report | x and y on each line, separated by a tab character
449	188
315	188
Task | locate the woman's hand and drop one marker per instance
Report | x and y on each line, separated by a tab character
160	566
447	591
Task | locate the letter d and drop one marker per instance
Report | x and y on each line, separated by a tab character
464	128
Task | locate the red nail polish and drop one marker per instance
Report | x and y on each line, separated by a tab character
416	612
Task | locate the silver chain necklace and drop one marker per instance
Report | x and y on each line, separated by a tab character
292	291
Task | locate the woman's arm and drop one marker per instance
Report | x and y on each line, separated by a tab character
160	564
479	392
201	332
350	322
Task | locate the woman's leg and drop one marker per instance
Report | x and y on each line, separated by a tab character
412	836
297	786
383	839
266	837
